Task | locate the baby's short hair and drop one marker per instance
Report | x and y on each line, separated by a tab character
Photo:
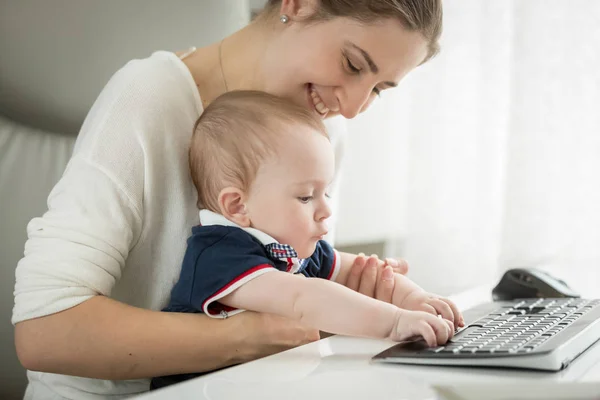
234	135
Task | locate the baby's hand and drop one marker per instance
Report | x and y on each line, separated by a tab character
399	266
434	330
419	300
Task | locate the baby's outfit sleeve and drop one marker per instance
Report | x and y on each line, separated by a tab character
324	263
218	260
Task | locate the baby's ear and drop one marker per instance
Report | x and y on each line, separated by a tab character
232	202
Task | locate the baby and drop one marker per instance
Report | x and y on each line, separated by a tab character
262	167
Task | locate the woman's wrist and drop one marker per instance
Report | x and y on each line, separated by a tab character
257	335
245	335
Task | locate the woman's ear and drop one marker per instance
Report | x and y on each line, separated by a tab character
232	202
299	9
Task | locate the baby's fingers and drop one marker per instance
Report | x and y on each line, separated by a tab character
451	327
427	332
442	308
434	330
428	308
399	266
459	320
443	328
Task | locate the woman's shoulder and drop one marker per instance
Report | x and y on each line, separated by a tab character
145	113
159	65
161	78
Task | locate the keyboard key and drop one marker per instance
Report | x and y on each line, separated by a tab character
527	350
434	349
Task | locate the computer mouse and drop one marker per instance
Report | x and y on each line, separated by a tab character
520	283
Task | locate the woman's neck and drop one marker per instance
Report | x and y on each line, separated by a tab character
235	63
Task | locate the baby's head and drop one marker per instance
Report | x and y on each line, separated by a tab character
266	163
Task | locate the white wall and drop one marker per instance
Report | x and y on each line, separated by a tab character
56	56
371	194
257	4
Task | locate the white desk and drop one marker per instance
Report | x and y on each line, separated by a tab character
339	367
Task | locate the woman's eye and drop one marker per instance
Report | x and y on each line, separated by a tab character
352	67
305	199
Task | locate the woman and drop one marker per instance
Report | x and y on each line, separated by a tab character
101	262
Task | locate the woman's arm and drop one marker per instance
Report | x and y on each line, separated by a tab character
105	339
66	323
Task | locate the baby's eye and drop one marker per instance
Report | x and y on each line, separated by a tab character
305	199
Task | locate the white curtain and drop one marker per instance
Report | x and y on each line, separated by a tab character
488	156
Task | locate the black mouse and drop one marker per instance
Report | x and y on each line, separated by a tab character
522	283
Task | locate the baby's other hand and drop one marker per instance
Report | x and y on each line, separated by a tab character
419	300
434	330
399	266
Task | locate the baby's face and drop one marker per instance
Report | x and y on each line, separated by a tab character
288	199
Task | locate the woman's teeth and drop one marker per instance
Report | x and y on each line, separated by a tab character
318	103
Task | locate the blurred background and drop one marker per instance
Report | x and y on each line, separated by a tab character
485	158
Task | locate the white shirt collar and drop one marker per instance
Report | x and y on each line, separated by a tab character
208	218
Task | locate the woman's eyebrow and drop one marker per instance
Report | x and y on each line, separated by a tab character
372	66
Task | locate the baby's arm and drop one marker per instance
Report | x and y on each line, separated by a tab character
334	308
406	293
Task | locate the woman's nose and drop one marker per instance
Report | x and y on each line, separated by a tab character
354	100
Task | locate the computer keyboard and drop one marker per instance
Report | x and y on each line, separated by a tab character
545	334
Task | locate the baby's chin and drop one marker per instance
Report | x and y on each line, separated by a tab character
307	251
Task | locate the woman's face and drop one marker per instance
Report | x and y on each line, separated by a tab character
339	66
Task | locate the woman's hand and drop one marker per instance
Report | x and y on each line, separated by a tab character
269	334
374	277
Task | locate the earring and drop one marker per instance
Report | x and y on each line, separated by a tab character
284	19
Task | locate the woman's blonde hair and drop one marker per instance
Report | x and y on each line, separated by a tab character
423	16
233	137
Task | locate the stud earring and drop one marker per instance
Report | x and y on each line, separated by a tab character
284	19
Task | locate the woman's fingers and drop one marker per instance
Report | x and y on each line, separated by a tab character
385	285
356	272
373	277
368	279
